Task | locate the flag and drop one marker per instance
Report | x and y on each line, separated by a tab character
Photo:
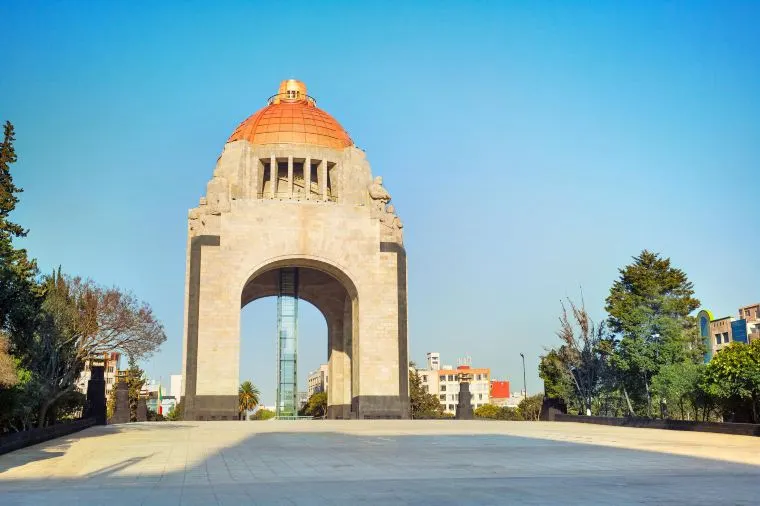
160	398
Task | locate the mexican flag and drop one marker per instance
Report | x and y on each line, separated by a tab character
159	409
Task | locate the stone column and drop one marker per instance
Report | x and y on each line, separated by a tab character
96	395
307	176
273	175
323	179
290	177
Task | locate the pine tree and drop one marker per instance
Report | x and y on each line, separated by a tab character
19	293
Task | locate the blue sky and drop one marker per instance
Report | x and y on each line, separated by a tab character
531	149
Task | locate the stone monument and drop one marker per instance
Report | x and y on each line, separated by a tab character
293	210
96	395
121	408
464	406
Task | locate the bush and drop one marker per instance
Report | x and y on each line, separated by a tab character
491	412
530	407
262	414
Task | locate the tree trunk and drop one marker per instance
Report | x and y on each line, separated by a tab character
42	415
649	398
628	401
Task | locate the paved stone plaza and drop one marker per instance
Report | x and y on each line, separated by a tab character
383	462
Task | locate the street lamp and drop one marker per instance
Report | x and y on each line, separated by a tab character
525	382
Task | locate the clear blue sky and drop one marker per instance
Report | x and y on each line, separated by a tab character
530	149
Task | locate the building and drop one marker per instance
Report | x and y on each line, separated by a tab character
175	386
444	383
318	380
717	333
112	365
293	210
499	393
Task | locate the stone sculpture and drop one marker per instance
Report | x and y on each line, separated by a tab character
379	195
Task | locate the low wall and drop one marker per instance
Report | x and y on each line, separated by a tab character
741	429
18	440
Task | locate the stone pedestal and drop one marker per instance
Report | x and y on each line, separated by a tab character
121	410
464	407
550	407
96	396
142	410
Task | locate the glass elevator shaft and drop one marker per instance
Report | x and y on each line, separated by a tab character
287	343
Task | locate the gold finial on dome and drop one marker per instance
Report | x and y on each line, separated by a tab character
291	90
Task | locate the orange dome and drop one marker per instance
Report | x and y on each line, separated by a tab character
292	117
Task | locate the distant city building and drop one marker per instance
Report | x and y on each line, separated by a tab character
317	380
303	398
112	364
499	392
717	333
443	383
175	385
434	361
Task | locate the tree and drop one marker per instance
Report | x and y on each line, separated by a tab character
135	382
421	403
316	406
8	375
262	414
583	353
649	307
530	407
678	386
248	398
733	376
175	412
78	320
557	381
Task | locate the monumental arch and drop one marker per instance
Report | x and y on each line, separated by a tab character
292	198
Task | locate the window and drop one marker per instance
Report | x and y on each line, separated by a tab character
717	338
442	397
480	397
725	337
451	377
443	388
424	378
451	407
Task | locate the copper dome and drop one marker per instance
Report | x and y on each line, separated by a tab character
292	117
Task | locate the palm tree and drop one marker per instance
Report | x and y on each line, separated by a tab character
248	397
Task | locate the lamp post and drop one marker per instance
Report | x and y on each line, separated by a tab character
525	382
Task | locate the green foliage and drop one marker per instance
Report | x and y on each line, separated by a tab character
530	407
111	403
262	414
316	406
135	381
649	307
491	412
557	381
421	403
733	377
248	397
678	387
175	413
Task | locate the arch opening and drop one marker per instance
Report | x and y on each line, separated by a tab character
318	284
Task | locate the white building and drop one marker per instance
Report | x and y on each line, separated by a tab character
175	384
111	368
318	380
444	383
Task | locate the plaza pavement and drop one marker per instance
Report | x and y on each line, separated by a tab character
382	462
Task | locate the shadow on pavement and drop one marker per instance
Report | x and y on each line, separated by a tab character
330	467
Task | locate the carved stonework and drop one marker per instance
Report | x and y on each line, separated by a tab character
392	226
379	197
